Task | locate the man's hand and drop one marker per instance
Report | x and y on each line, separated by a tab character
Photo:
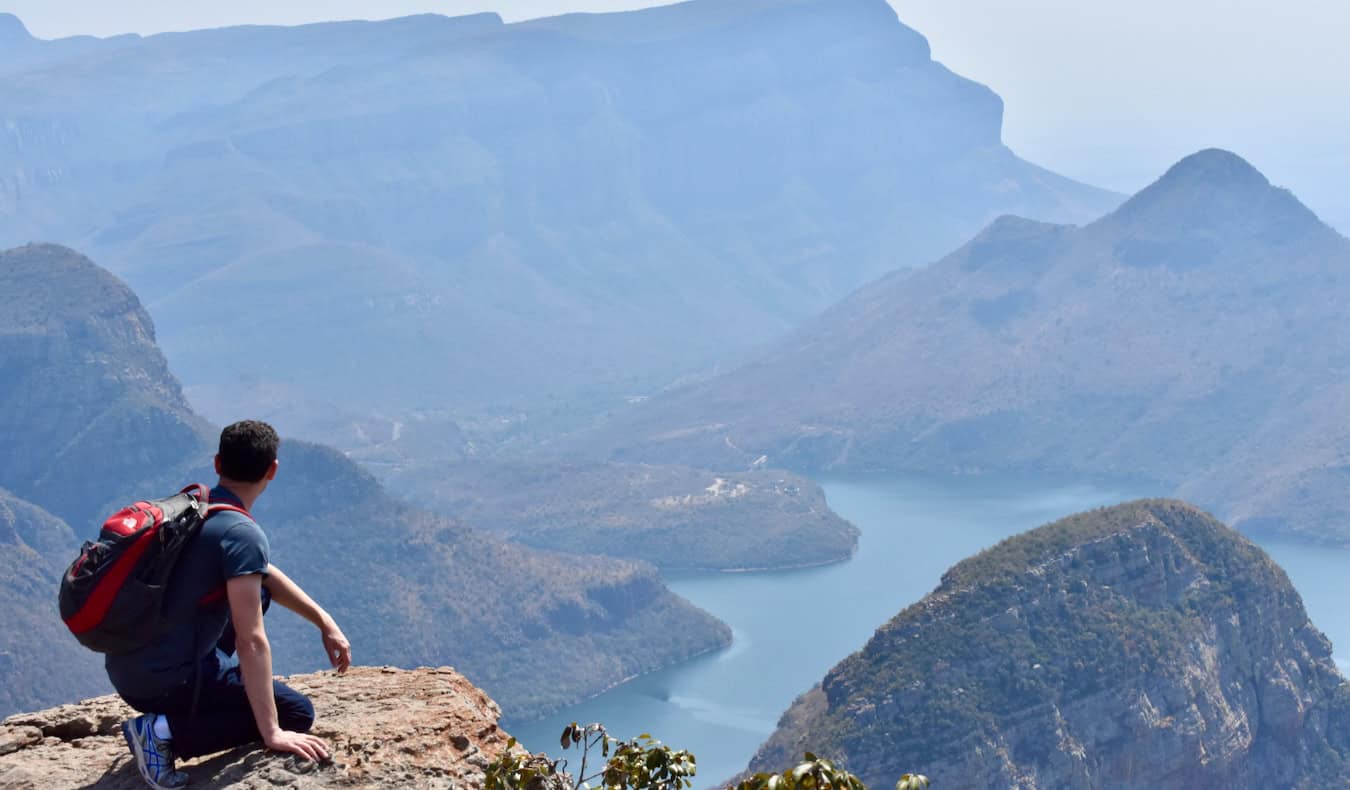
307	746
337	647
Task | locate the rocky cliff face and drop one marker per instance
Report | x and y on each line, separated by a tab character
424	728
1144	645
87	403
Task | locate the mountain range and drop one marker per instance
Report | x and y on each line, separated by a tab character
1198	337
587	205
93	417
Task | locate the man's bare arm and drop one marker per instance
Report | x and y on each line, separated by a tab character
289	594
255	662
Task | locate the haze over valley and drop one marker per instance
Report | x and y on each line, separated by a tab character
1194	337
548	208
659	363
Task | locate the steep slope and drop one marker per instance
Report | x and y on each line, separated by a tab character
1143	645
586	203
39	660
92	416
672	516
87	403
1198	336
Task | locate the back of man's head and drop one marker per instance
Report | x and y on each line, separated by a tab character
247	450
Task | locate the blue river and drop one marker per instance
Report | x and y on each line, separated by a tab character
791	627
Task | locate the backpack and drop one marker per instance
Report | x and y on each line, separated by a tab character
112	595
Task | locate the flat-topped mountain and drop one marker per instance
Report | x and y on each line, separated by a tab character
1142	645
593	203
674	517
1198	336
92	419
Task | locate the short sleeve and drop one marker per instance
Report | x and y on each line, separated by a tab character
243	550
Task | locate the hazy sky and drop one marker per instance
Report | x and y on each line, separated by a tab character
1108	91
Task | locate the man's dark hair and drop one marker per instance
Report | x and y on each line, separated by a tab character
247	450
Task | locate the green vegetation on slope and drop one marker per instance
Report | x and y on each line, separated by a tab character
1060	652
40	662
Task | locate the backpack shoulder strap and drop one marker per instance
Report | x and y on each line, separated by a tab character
218	507
198	491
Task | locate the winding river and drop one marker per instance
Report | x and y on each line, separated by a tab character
790	627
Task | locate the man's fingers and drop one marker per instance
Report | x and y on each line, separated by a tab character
311	748
320	749
339	650
341	658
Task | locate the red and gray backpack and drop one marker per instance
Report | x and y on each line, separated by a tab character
112	595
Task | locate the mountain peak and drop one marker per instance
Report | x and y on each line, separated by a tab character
1215	166
47	284
1212	171
1214	193
12	30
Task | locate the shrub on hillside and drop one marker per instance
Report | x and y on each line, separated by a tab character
645	763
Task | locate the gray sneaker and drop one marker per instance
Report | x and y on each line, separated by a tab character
154	757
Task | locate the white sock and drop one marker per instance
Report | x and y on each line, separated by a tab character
161	728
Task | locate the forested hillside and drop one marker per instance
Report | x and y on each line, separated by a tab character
91	402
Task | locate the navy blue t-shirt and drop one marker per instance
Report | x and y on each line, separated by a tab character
229	545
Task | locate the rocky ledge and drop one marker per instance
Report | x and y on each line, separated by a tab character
422	728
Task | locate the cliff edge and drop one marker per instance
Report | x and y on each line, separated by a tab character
422	728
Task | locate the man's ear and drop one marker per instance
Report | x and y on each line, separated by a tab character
272	470
217	463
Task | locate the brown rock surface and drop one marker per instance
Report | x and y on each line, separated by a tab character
422	728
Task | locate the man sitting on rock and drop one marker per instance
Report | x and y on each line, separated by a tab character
207	685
